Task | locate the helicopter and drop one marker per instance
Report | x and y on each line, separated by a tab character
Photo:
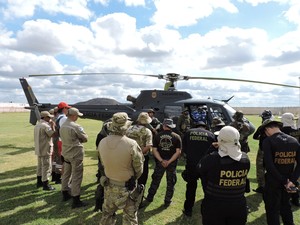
167	103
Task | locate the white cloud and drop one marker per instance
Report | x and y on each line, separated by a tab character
187	12
134	2
21	8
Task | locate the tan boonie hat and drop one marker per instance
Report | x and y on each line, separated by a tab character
51	111
74	112
144	118
45	114
229	144
120	122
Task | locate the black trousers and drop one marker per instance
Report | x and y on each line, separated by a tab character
144	177
277	203
157	176
191	187
216	212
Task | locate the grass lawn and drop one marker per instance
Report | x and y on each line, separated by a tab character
22	203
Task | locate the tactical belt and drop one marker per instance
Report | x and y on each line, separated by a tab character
117	183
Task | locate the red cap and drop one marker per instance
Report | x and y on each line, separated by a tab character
62	105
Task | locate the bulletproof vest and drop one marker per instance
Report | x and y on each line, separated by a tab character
229	182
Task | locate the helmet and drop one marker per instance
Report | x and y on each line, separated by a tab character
266	114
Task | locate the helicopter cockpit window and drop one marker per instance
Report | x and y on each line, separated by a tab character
172	111
199	113
216	111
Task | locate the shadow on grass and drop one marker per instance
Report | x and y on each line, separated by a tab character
21	202
16	150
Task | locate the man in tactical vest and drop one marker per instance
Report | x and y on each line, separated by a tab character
195	144
143	136
122	159
223	175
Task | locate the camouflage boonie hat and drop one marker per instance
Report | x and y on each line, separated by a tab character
120	122
144	118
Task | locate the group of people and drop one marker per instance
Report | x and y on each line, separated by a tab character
59	142
277	165
217	155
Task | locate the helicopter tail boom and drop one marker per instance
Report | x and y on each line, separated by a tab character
32	101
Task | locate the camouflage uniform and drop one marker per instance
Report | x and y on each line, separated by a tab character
183	123
122	159
260	168
143	136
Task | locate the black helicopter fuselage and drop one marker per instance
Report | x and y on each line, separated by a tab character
165	103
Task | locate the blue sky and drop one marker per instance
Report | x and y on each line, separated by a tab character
243	39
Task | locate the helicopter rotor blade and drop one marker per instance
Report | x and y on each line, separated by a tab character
89	74
242	80
173	77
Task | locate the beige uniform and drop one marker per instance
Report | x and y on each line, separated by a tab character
72	136
43	148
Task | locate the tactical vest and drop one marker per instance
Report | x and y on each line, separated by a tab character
230	179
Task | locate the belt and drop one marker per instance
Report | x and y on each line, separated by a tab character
117	183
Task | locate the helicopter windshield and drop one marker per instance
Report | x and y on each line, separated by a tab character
229	109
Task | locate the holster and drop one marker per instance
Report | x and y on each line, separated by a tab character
137	195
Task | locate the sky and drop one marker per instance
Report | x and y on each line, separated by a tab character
241	39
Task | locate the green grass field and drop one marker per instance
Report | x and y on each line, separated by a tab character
22	203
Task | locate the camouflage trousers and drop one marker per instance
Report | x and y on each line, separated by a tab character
115	198
157	176
260	169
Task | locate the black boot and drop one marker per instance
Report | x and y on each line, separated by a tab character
39	182
58	178
47	186
66	196
53	174
77	202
